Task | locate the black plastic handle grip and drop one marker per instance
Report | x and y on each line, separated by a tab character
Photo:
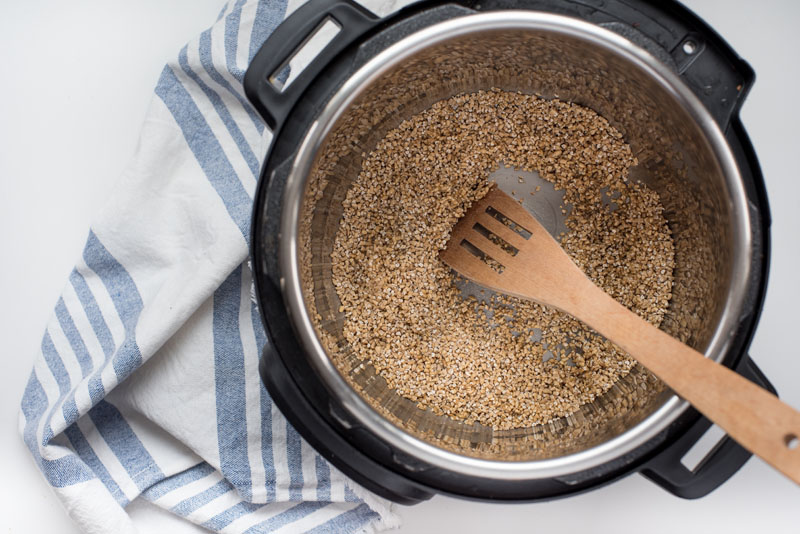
724	460
275	104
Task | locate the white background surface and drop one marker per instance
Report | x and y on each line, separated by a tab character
75	84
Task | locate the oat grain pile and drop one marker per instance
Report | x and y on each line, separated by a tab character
479	361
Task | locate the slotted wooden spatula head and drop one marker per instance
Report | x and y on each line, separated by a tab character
500	245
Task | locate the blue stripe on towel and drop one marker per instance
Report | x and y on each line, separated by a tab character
96	389
270	476
269	13
294	457
125	445
266	413
74	337
216	101
190	504
349	496
206	149
66	397
323	478
87	454
223	10
230	384
64	471
89	304
126	298
55	364
161	488
226	517
232	23
59	372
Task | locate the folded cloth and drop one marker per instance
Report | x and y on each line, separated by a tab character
147	383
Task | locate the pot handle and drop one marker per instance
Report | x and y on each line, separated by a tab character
721	463
273	102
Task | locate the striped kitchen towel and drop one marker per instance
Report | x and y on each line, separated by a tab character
147	383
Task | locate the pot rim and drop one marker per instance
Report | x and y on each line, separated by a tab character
289	243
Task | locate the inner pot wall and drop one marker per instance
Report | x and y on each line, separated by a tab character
675	159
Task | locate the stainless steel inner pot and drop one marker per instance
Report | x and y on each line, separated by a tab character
682	155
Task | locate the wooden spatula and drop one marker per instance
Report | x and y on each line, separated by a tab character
536	268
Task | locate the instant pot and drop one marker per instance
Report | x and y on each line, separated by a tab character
659	75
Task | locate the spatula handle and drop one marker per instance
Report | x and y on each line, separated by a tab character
754	417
